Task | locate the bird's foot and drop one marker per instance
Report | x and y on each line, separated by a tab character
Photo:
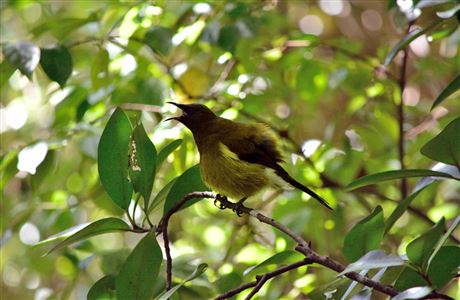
239	206
221	199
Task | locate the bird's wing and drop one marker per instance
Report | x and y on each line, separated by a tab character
254	144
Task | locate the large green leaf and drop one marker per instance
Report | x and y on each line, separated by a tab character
407	39
366	235
281	258
103	289
113	158
444	238
444	265
159	39
160	197
394	174
143	160
76	234
409	278
22	55
189	181
167	150
400	209
420	249
372	260
139	272
445	147
57	64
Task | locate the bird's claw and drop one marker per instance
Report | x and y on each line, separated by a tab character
221	199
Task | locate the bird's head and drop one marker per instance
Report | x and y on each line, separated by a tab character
194	116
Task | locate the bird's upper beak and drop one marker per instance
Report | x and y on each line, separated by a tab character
181	106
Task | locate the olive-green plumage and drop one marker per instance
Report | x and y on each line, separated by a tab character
237	160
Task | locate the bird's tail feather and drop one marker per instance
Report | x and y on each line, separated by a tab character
283	174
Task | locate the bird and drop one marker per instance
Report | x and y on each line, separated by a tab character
237	160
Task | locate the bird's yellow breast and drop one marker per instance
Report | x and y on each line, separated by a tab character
226	174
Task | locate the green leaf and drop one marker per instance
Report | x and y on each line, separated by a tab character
444	238
372	260
57	64
445	147
78	233
161	195
366	235
451	88
6	70
420	249
444	265
143	160
22	55
159	39
400	209
281	258
166	151
189	181
103	289
407	39
229	36
413	293
100	70
394	174
139	273
200	269
408	279
113	158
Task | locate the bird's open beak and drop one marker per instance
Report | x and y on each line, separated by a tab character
181	106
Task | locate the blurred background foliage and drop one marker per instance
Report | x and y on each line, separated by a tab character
313	70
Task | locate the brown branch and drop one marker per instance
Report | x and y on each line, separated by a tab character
261	280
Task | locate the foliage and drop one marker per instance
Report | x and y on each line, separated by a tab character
84	90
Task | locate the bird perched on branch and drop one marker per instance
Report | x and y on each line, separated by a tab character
237	160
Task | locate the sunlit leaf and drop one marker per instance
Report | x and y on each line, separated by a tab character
372	260
281	258
102	226
406	40
113	158
451	88
100	69
142	165
22	55
139	273
159	39
189	181
6	70
445	147
395	174
57	63
200	269
167	150
413	293
420	249
366	235
103	289
444	265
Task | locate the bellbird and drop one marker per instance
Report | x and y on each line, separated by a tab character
236	160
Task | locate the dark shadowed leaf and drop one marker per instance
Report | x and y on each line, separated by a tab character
372	260
444	265
392	175
160	197
139	273
408	279
420	249
229	35
444	238
113	158
406	40
445	147
189	181
142	165
167	150
366	235
448	90
57	64
200	269
282	258
413	293
159	39
22	55
103	289
102	226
